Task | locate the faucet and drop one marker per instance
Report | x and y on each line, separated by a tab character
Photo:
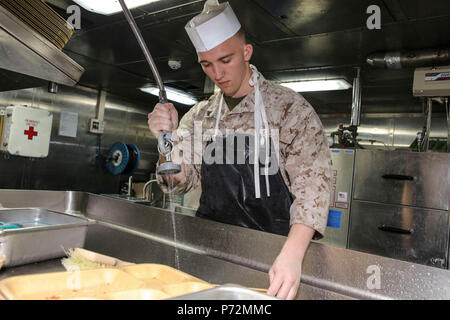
130	181
145	190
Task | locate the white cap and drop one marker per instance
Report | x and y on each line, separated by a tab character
216	24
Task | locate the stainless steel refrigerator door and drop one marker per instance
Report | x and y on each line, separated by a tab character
411	234
403	177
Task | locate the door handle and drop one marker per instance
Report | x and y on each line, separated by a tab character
397	177
391	229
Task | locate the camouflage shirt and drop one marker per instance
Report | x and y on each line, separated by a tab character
304	155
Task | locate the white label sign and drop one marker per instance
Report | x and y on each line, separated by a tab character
68	124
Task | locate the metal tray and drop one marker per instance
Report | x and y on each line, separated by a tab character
38	234
226	292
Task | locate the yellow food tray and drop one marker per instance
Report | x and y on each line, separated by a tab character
159	272
135	282
178	289
68	285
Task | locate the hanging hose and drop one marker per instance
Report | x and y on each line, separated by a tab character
1	127
148	56
163	136
448	124
165	144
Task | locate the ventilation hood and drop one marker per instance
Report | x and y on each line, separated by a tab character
24	51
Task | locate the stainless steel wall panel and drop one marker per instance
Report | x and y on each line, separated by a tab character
67	163
129	122
400	232
402	177
12	177
73	158
406	129
387	131
137	133
71	161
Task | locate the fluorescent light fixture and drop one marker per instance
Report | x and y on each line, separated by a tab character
172	94
108	7
317	85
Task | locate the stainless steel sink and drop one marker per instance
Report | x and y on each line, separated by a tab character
128	198
38	234
219	253
185	210
156	204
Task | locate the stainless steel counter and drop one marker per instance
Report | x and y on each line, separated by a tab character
220	253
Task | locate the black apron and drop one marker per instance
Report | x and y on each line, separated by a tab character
228	189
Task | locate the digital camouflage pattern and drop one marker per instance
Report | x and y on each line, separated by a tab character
304	155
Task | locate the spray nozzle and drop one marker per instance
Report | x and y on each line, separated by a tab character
165	147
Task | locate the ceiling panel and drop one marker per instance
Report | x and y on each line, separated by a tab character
116	44
293	39
419	9
307	17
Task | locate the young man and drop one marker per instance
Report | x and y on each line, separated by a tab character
291	199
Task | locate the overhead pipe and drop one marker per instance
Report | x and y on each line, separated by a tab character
356	100
448	124
426	141
423	138
409	59
347	135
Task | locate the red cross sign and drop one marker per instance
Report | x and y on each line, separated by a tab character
31	133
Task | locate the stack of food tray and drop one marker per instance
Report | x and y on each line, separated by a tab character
41	18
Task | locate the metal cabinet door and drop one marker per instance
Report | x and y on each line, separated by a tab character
405	233
402	177
336	233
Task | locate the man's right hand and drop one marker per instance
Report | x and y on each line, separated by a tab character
164	117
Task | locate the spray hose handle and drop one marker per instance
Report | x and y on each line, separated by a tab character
165	143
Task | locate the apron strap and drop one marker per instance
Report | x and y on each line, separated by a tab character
260	122
219	113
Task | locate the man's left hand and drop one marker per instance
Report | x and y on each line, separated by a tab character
285	276
286	271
